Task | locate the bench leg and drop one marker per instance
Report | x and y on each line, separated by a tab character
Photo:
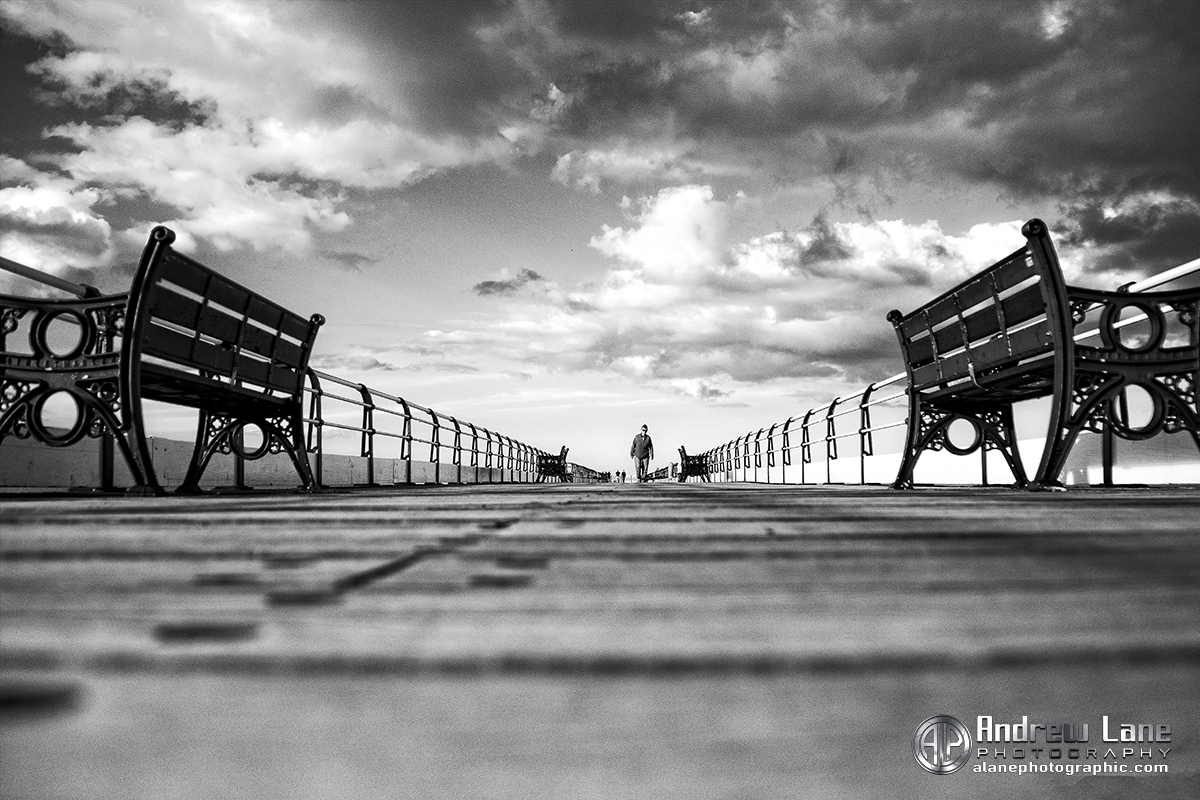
994	431
1092	406
137	451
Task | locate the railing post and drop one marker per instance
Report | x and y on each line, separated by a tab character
315	429
367	439
474	452
406	451
770	450
830	440
805	444
435	446
457	448
757	453
746	458
786	449
866	445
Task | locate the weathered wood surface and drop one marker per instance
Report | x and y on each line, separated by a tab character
599	641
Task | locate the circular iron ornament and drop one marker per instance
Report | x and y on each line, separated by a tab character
970	448
1154	317
40	333
237	445
1158	414
942	744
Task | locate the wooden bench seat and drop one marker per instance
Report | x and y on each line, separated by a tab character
1008	334
693	466
185	335
553	466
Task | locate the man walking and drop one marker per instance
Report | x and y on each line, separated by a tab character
642	451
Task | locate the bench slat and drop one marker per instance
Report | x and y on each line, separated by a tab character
175	308
1031	341
1024	305
251	370
258	341
167	344
284	378
920	351
184	272
213	358
983	323
266	313
295	326
975	293
913	326
941	310
287	353
232	297
1012	270
950	337
219	325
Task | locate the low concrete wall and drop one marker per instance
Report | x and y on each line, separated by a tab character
27	463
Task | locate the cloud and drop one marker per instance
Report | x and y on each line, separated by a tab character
351	363
684	309
352	262
508	285
250	128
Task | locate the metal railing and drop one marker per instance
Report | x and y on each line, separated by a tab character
428	444
757	453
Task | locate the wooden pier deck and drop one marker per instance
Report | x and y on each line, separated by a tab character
596	641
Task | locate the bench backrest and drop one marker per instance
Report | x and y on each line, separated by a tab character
1012	311
186	316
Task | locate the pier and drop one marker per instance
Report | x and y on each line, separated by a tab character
603	640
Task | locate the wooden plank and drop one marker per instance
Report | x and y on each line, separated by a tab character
949	337
1031	341
920	351
265	312
232	297
286	353
252	370
214	358
258	341
175	308
295	326
1013	270
983	323
167	344
184	272
1024	305
219	325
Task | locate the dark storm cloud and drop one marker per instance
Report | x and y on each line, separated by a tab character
510	286
450	80
1082	104
352	262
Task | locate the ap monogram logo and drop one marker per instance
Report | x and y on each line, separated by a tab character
942	744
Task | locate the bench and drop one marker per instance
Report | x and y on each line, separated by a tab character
692	466
552	466
1009	334
184	335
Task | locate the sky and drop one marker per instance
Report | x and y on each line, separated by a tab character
563	220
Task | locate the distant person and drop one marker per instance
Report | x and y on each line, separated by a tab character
642	453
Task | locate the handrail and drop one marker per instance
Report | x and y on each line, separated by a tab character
513	460
80	289
734	454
